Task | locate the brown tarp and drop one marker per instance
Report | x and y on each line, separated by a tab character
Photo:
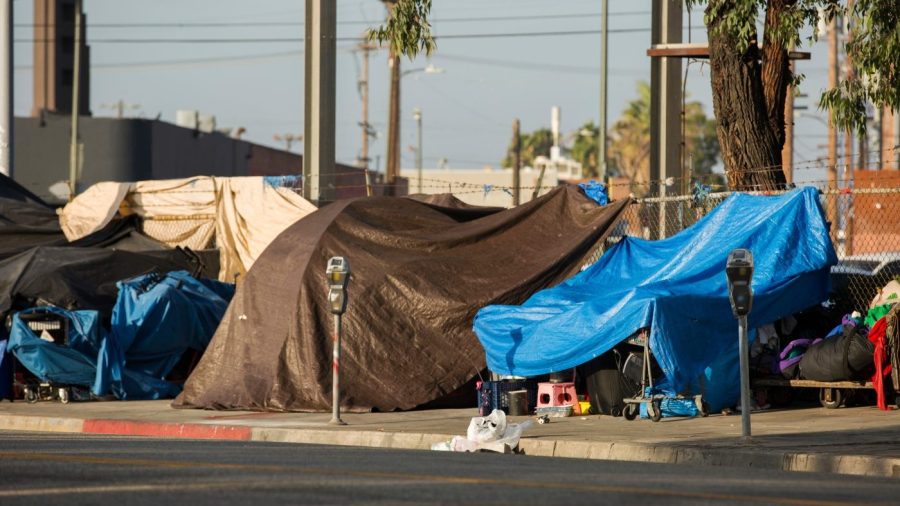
420	273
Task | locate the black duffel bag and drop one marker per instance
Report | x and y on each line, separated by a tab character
848	356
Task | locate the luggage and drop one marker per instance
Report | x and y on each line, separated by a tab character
848	356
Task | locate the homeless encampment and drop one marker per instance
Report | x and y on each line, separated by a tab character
156	319
677	288
420	272
240	216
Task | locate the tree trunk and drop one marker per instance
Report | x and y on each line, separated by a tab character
751	149
776	68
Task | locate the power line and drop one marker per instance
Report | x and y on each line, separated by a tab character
520	64
561	33
241	24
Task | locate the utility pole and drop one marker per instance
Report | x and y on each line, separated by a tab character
319	102
831	208
393	141
601	141
119	106
832	132
517	163
75	145
417	115
665	100
849	162
6	88
363	161
288	139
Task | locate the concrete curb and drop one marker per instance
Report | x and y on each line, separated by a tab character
761	458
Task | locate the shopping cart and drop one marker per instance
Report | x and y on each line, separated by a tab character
649	395
49	327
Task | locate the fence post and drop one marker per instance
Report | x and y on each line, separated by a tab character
662	210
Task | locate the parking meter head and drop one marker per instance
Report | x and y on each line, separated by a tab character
338	274
739	269
338	271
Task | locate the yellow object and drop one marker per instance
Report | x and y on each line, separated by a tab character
585	407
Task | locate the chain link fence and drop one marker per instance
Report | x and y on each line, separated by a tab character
865	232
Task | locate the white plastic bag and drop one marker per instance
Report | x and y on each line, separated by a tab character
483	429
487	433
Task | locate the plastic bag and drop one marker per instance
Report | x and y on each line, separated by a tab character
491	433
483	429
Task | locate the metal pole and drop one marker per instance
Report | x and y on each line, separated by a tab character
896	142
665	102
76	78
392	166
417	114
832	84
601	141
319	101
336	369
6	89
365	47
517	163
744	350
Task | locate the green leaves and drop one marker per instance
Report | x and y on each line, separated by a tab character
873	53
407	30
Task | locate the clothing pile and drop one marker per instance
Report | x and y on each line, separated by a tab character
861	348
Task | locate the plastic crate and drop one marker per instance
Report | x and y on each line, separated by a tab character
48	326
493	394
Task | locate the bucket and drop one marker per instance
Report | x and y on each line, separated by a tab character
518	402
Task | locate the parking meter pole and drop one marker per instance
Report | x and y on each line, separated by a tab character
744	350
336	372
338	273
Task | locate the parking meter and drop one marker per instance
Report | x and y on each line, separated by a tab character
739	270
338	274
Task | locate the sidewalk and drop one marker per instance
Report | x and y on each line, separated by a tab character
859	441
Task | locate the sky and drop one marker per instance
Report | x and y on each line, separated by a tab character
467	109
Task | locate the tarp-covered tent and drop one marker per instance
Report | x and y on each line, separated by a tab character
27	222
11	190
677	287
240	216
420	272
155	320
81	278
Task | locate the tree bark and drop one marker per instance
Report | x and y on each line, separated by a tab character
776	68
751	150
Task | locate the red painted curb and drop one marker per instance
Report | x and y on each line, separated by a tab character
166	430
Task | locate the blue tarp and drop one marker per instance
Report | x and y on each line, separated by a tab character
677	288
155	320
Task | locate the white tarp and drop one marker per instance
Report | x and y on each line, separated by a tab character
238	215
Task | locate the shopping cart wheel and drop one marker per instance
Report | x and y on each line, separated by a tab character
654	411
631	411
704	409
837	398
63	395
30	395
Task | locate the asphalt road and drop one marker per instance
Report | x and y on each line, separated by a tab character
67	470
